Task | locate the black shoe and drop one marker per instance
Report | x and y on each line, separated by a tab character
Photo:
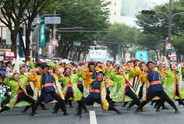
78	114
118	112
23	111
44	108
152	103
32	115
136	112
155	106
128	108
65	113
157	110
86	111
123	105
54	112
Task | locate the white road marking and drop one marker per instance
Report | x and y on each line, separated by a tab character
92	117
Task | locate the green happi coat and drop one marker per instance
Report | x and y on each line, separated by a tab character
113	88
74	79
118	89
14	91
169	84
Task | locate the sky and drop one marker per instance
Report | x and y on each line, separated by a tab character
159	1
131	20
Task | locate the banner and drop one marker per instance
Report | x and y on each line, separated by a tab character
42	42
142	56
100	54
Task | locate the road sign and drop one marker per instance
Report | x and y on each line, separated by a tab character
173	58
52	20
54	42
168	46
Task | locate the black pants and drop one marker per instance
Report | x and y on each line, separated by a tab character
68	95
89	101
160	94
55	96
25	98
5	101
179	100
161	102
136	100
57	106
30	92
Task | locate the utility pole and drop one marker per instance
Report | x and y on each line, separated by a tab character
170	17
54	28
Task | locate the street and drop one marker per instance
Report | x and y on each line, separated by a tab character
15	116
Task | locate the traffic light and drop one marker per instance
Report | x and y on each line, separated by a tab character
148	12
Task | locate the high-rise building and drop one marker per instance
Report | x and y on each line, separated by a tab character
130	8
115	10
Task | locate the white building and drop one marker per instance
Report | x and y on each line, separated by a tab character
115	11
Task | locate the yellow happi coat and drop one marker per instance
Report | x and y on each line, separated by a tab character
103	92
37	81
87	82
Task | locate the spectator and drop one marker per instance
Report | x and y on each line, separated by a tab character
2	66
8	69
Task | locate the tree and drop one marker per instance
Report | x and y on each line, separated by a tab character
150	42
12	12
19	11
33	9
178	45
157	25
120	35
86	15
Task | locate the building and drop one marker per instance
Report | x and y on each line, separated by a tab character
4	36
115	11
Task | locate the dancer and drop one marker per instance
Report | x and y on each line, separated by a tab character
98	93
19	96
155	89
48	92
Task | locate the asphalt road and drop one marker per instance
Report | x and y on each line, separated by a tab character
15	116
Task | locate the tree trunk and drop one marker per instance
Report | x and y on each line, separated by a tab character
14	41
28	33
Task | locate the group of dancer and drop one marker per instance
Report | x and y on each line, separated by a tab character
133	82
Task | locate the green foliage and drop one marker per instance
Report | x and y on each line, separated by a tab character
155	29
178	44
120	34
91	15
